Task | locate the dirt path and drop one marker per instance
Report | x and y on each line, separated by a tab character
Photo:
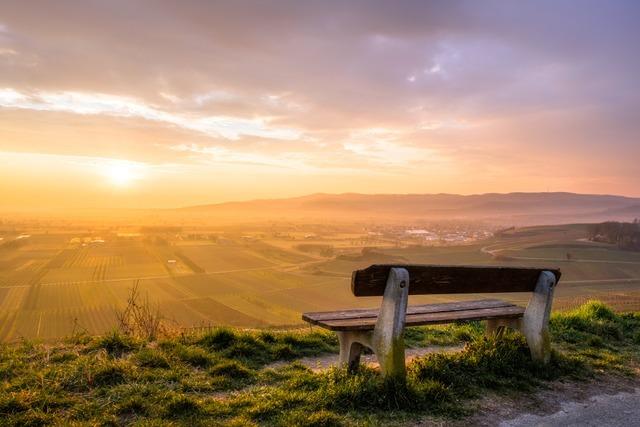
604	401
622	409
325	361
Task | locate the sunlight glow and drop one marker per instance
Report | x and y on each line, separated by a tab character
122	173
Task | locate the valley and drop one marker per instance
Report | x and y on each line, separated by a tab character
56	282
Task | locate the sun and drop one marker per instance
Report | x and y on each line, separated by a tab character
121	174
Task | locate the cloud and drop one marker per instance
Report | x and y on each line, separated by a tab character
489	89
118	106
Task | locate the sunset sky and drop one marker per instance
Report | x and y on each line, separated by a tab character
173	103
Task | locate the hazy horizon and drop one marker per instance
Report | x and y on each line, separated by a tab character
45	209
152	105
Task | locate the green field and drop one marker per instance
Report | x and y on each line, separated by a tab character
51	285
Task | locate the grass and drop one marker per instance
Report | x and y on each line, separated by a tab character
593	332
224	377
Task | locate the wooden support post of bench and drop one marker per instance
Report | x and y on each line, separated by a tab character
385	339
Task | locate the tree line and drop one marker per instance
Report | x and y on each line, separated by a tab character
624	234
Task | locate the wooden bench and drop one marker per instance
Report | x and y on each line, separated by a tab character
381	329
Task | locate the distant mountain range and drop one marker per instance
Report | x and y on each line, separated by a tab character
511	208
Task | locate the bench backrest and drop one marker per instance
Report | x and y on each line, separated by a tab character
449	279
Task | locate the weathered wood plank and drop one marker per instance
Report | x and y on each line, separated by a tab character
429	318
443	279
412	309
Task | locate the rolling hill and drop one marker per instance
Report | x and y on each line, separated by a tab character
516	208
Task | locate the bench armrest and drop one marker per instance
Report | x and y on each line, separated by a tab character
536	317
387	340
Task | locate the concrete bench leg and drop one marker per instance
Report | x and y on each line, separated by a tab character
351	346
535	323
387	339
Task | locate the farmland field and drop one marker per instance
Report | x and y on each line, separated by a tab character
52	285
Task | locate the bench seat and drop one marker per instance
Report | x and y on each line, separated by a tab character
426	314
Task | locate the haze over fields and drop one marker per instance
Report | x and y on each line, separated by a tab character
199	268
512	208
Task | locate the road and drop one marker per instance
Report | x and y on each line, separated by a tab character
496	248
620	410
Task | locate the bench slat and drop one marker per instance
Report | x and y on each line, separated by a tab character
511	312
452	279
316	317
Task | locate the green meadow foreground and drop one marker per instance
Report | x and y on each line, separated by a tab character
58	281
230	377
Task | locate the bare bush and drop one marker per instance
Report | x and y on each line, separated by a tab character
139	319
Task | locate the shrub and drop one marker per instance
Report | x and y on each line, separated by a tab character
109	374
321	418
13	403
150	358
305	344
181	406
218	339
283	351
116	343
132	405
88	372
33	418
232	369
443	335
194	356
267	337
62	357
248	347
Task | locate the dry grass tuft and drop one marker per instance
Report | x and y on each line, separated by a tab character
139	319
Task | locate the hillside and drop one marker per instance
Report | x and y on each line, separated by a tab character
231	377
516	208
